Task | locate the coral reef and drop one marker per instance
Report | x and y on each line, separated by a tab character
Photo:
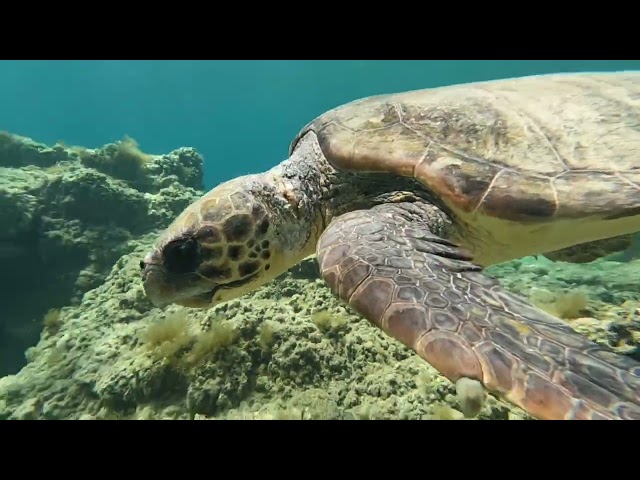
68	213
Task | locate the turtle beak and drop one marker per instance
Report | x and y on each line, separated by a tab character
163	290
146	264
152	275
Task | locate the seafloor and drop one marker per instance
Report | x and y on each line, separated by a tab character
76	223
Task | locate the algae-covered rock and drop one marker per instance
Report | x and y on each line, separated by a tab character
301	356
288	351
67	214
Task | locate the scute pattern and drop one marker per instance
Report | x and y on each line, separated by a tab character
424	291
231	228
527	149
233	249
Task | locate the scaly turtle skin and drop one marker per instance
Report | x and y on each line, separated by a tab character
405	198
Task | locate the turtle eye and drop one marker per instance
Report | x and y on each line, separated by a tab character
182	256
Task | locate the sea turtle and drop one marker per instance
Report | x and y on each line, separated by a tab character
405	198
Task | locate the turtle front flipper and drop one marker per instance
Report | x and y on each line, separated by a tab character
392	266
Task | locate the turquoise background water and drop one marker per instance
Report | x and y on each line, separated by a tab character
241	115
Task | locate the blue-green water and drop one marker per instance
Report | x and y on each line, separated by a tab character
241	115
79	333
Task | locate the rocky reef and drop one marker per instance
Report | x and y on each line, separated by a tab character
67	215
290	350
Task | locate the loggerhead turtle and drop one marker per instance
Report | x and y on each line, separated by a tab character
404	198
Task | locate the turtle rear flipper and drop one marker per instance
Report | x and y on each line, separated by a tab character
392	266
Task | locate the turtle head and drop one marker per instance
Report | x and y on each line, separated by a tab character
224	245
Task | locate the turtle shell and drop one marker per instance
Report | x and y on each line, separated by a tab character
529	150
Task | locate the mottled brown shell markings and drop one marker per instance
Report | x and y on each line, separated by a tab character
209	234
608	194
238	228
466	184
527	149
521	198
230	228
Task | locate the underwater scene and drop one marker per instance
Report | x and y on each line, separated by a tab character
320	240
